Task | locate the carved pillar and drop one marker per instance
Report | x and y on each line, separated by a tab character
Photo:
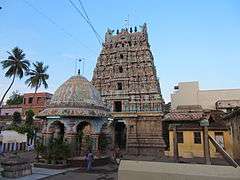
95	142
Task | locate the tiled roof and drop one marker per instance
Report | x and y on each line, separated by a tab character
232	114
183	116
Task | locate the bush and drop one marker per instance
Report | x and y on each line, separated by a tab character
102	142
16	118
89	141
58	150
29	117
15	99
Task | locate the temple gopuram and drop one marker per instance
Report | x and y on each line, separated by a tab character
126	78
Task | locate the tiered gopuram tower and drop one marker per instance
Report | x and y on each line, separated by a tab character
126	77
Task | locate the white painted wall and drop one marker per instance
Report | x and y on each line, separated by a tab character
10	136
190	94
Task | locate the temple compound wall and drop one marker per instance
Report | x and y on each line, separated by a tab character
126	78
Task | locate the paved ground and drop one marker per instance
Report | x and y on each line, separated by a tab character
108	172
40	173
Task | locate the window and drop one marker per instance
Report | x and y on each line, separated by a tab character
119	86
121	56
39	99
30	100
180	137
117	106
219	138
24	101
120	69
197	138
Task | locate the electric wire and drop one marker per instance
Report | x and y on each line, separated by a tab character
67	34
100	40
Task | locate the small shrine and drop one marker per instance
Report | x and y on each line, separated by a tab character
75	111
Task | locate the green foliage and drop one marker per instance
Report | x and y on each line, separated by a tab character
23	129
29	117
15	99
58	150
89	141
79	136
16	118
102	141
38	76
16	63
40	148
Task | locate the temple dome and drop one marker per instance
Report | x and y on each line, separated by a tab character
76	97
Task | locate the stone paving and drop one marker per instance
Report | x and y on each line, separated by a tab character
108	172
39	173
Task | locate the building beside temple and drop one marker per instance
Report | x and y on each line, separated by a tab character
8	110
185	121
233	123
126	77
36	102
75	107
188	93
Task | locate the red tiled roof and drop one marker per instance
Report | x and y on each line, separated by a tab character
183	116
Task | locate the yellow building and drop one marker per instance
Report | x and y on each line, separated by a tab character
191	144
190	133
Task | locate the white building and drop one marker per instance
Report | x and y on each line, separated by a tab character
188	93
12	141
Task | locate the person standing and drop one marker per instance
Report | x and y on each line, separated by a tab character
90	159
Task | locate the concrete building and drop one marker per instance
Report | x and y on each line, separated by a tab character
190	137
188	93
8	110
233	123
37	103
12	141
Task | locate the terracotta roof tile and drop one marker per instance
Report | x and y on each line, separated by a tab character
183	116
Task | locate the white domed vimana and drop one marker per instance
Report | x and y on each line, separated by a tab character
76	97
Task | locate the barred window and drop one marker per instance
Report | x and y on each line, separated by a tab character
197	138
180	137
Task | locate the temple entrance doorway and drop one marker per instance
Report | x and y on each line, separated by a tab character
120	134
84	131
58	130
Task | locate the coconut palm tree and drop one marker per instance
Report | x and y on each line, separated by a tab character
38	77
16	66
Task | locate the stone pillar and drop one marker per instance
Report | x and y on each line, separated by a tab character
95	142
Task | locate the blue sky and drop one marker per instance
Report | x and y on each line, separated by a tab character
191	40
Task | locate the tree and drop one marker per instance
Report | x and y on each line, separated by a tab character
38	77
15	99
102	142
16	118
16	66
29	117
